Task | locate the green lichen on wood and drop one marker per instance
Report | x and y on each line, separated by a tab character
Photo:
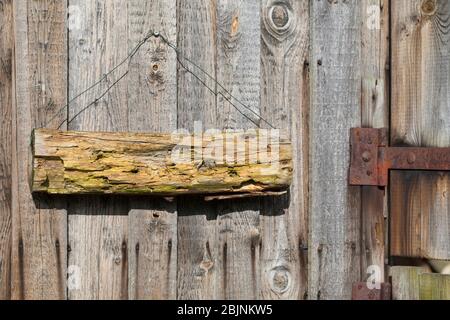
128	163
434	286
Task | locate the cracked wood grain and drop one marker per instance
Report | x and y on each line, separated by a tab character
6	85
132	163
335	234
39	245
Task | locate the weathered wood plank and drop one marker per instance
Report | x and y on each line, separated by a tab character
40	76
152	99
98	227
132	163
405	282
375	114
6	63
238	70
434	286
285	103
334	250
421	117
198	276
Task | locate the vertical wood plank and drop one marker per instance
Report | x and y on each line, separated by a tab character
375	114
152	99
98	226
334	250
434	287
6	61
198	276
421	117
40	76
285	104
405	282
238	70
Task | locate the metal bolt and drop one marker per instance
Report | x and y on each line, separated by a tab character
156	34
411	158
367	156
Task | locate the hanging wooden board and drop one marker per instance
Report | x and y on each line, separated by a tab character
239	163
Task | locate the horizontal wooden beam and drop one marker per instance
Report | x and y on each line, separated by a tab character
222	163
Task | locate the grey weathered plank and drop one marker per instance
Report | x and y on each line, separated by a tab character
6	64
152	87
420	207
375	114
198	274
334	249
238	71
405	282
98	227
285	103
40	76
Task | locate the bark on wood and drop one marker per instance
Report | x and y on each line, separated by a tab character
421	117
98	226
6	61
285	103
334	249
126	163
39	223
152	100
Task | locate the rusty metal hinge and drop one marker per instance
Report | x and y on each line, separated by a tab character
361	291
372	158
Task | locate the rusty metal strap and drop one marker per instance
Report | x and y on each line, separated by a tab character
371	158
361	291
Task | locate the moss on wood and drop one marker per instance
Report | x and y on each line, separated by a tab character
132	163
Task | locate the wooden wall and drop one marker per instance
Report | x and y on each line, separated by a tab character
314	68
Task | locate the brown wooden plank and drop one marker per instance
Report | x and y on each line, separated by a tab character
198	275
375	114
405	282
285	103
335	235
238	71
420	117
152	87
40	76
6	63
98	227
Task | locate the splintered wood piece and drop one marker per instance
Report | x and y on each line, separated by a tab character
160	164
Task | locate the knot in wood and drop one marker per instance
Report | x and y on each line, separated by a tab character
280	280
279	20
428	7
280	15
235	25
205	267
